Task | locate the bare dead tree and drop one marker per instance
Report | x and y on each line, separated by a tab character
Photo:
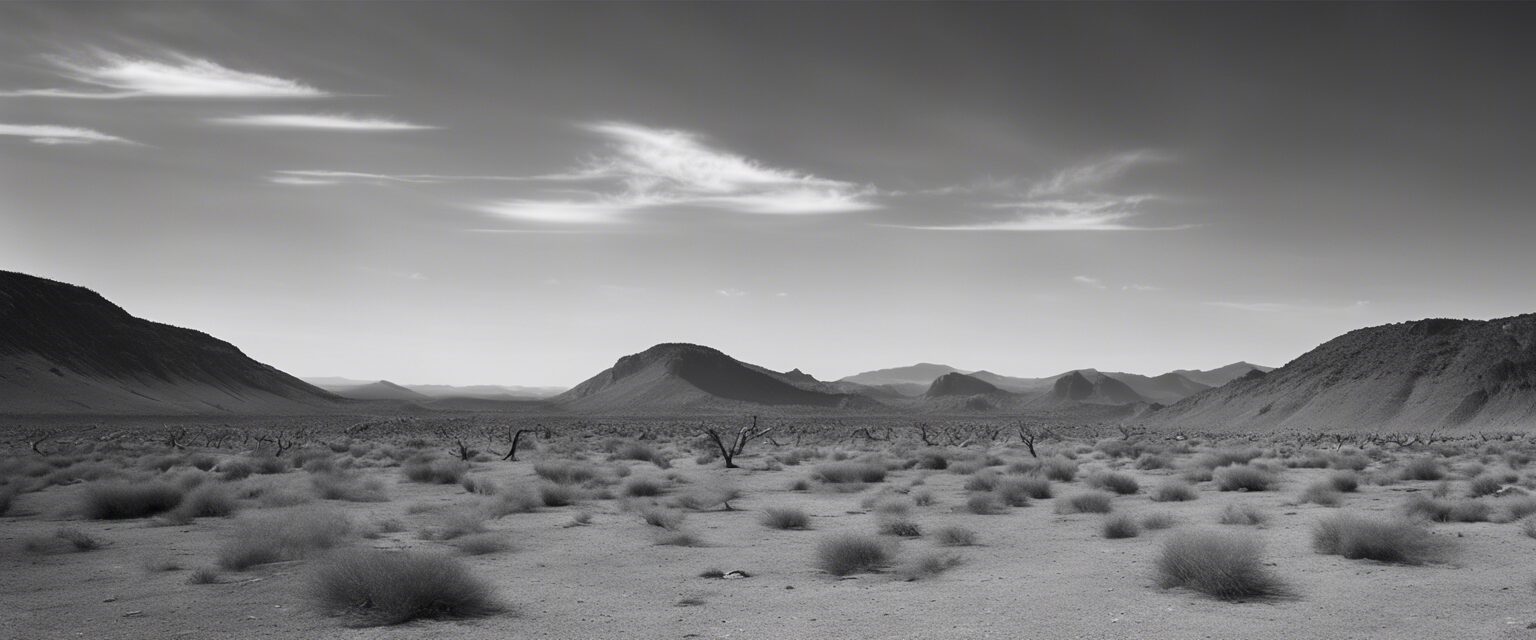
37	438
173	439
1032	433
744	436
922	432
513	438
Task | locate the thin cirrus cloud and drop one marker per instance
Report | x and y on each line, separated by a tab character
335	122
111	76
648	168
1279	307
59	135
319	177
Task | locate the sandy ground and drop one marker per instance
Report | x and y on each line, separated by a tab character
1035	574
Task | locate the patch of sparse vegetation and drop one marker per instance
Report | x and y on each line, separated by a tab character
1120	526
121	500
1384	540
929	565
1086	502
1244	477
435	471
1174	491
1242	514
1321	493
1223	566
953	536
850	553
1117	482
1447	509
785	518
276	537
376	588
848	472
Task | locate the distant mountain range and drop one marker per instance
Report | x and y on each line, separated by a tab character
67	350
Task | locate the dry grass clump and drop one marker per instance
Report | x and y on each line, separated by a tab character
1223	566
900	527
659	516
1174	491
558	495
375	588
1344	481
850	553
984	504
1447	510
1361	538
1484	484
1116	482
203	575
479	485
643	487
235	469
1058	469
1425	468
784	518
277	537
120	500
1244	478
679	538
1016	492
929	565
349	487
455	525
1226	457
1120	526
702	498
207	501
566	471
479	544
513	500
1242	514
1086	502
1150	461
63	539
1528	527
1156	521
984	480
850	472
642	452
7	498
1321	493
954	536
435	471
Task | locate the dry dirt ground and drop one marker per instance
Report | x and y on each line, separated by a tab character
1034	574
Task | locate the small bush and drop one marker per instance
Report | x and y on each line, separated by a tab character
659	516
1344	481
982	481
435	471
845	472
701	498
1447	510
1016	492
1150	461
276	537
1243	478
7	498
479	544
558	495
1528	527
348	487
565	471
1086	502
954	537
643	487
203	575
235	469
1223	566
1155	521
1357	538
851	553
799	484
922	498
981	504
679	538
1425	468
376	588
77	539
1174	491
1059	469
1483	485
1242	514
1120	526
929	565
1116	482
785	518
901	527
455	525
1321	493
208	501
119	500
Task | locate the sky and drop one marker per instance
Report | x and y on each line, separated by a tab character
521	193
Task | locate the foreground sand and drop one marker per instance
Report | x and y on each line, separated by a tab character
1036	574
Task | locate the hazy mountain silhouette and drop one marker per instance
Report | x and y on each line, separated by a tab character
66	349
959	384
1091	387
381	390
923	373
1221	375
1423	375
679	377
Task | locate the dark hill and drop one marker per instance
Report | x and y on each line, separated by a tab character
959	384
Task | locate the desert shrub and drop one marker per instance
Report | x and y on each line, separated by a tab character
935	460
898	526
1155	521
701	498
1385	540
850	553
269	465
981	504
1243	478
235	469
202	461
1528	527
454	525
77	539
558	495
348	487
209	501
479	544
1197	474
785	518
375	588
1447	510
1242	514
659	516
1120	526
679	538
888	505
479	485
643	487
120	500
1349	462
1517	507
799	484
565	471
1483	485
203	575
953	536
1321	493
7	498
1036	488
1226	457
1116	482
985	480
513	500
1086	502
1344	481
1309	460
922	498
435	471
929	565
276	537
841	472
1150	461
1223	566
1058	469
1174	491
642	452
1424	468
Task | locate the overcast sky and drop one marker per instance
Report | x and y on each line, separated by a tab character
522	193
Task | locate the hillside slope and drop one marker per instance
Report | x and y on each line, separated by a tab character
66	349
1423	375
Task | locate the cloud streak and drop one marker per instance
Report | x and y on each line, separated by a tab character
59	135
317	177
1107	213
169	75
1087	176
647	168
334	122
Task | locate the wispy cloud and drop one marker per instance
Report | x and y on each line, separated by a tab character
648	168
56	135
338	122
1278	307
1141	288
730	293
1090	281
1090	175
315	177
169	75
